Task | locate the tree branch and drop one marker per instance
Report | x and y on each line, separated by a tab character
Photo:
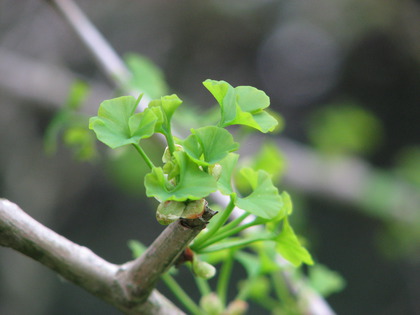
143	272
108	60
129	287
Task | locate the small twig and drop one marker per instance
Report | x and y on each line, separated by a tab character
103	53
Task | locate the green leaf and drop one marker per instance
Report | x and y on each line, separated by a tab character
82	141
169	104
271	160
117	124
325	281
67	118
209	145
261	121
146	76
242	105
251	99
222	91
275	223
264	201
164	108
224	184
290	248
287	201
78	93
345	128
193	183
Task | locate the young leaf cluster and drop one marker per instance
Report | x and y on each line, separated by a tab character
202	163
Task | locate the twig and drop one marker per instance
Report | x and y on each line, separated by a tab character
108	60
143	272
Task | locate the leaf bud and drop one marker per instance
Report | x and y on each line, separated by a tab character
216	171
194	209
211	304
166	157
203	269
237	307
169	211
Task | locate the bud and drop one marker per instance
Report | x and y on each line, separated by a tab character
216	171
202	269
211	304
194	209
166	157
171	169
169	211
237	307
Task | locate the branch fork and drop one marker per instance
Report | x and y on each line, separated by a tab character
129	287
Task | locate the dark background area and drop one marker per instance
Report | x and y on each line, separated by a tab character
306	55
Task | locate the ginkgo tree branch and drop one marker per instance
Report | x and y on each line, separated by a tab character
109	61
129	287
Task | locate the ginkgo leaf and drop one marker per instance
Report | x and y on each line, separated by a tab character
146	76
290	248
193	183
261	121
285	210
164	108
264	200
271	160
117	124
228	164
243	105
251	99
169	104
209	145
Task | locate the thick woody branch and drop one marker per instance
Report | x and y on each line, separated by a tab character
129	287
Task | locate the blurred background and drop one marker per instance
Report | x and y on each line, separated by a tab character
344	74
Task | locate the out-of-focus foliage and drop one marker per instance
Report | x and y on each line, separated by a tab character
72	126
408	164
345	128
146	76
325	281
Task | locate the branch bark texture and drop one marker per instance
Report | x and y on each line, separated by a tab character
129	287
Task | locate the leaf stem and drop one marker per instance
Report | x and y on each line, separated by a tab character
181	295
203	286
245	289
144	155
280	288
234	223
214	228
223	283
170	140
220	236
239	243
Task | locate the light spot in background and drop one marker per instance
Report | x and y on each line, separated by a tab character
298	63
